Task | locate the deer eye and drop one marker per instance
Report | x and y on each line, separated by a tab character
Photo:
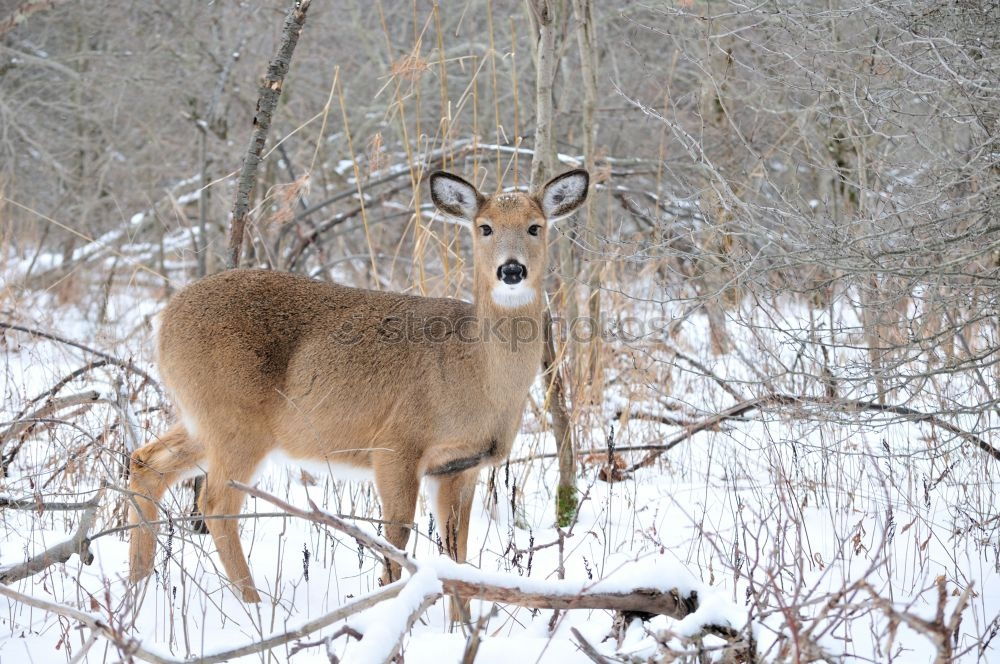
486	229
533	229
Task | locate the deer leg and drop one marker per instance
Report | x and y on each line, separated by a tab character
397	483
153	469
220	499
453	508
198	525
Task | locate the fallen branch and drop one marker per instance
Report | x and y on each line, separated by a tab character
78	544
562	596
384	638
467	582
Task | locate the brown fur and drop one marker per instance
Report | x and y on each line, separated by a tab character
258	361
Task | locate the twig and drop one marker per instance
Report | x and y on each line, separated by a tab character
346	630
349	609
588	650
475	638
937	630
653	417
705	370
65	380
92	621
374	543
427	162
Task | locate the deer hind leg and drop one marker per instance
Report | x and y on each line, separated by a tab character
453	509
153	469
220	499
398	483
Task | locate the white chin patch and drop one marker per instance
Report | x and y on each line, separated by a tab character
513	296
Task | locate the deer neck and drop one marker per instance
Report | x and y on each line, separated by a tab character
511	341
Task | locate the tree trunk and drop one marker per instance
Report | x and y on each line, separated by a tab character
543	161
583	11
542	167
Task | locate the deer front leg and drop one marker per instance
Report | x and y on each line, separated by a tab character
397	483
453	508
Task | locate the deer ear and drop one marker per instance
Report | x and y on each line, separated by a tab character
563	194
455	197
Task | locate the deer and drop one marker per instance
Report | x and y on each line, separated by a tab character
405	387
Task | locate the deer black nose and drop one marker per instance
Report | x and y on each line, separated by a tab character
512	272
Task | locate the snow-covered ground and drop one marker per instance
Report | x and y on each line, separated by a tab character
827	533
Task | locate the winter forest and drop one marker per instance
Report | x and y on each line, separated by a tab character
761	389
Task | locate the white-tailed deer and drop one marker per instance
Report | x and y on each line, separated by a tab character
406	386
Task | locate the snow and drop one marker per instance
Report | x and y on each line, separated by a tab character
763	513
382	625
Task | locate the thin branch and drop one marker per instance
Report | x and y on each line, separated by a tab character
267	101
318	516
588	650
833	403
349	609
92	621
22	424
654	417
124	364
78	544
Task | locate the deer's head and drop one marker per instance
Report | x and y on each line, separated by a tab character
509	231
